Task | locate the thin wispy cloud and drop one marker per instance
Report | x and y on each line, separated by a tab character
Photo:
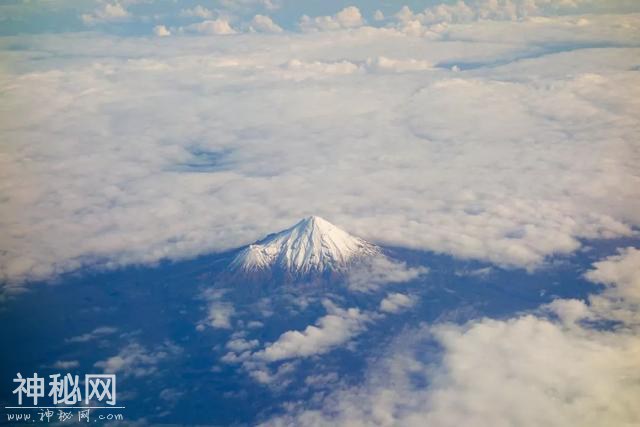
97	333
137	360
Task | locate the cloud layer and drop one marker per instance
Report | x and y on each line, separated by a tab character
173	147
334	329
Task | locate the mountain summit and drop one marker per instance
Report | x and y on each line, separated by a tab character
313	245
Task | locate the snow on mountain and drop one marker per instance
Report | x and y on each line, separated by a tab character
312	245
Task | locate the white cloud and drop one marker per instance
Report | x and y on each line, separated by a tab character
621	274
349	17
66	364
111	12
378	15
321	380
619	301
197	11
299	70
498	162
382	63
250	5
220	314
161	31
330	331
255	324
136	360
525	371
467	11
98	332
379	271
170	395
335	329
239	345
396	302
477	272
218	26
435	20
621	298
277	377
264	24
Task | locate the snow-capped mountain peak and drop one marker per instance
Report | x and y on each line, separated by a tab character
312	245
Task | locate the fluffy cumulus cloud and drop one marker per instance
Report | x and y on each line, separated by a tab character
110	12
161	31
396	302
240	344
298	69
244	5
220	315
433	20
197	11
620	274
301	70
264	24
473	10
349	17
620	300
526	371
176	147
219	26
273	363
382	63
330	331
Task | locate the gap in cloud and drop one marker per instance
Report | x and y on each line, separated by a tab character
204	161
539	51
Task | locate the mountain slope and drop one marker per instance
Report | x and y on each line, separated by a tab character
313	245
